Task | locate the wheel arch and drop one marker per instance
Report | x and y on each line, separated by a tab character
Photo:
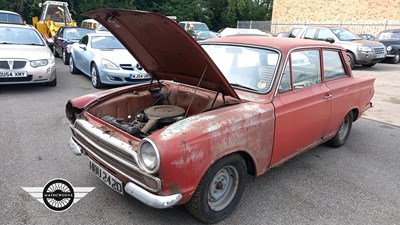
356	114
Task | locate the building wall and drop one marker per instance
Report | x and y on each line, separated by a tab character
360	16
315	10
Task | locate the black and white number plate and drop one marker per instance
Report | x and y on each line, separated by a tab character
7	74
107	178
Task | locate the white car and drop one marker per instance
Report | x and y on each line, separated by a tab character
24	56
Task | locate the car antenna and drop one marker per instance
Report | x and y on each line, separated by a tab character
197	87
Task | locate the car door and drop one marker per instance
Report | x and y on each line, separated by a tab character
302	106
58	40
337	78
79	51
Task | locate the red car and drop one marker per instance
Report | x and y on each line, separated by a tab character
213	113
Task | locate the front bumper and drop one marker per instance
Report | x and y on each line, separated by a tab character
121	76
152	200
35	75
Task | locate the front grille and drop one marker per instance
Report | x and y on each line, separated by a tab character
120	160
16	79
379	51
126	66
16	64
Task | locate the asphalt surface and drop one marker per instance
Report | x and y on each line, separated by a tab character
358	183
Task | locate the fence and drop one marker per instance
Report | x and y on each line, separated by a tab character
365	26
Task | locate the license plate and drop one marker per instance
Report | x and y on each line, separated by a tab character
138	76
107	178
7	74
380	55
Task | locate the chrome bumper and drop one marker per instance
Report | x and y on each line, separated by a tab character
155	201
74	147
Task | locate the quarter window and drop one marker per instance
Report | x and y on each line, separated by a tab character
333	66
286	82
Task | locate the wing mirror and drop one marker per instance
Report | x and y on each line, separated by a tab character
330	40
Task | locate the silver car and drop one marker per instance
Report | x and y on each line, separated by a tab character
24	56
105	60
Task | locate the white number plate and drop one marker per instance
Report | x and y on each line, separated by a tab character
138	76
380	55
7	74
107	178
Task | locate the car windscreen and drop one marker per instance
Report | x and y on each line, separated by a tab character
10	18
106	42
76	33
344	34
389	36
245	68
19	36
200	26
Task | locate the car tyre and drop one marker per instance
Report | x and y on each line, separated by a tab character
55	52
220	190
369	64
94	75
65	57
396	58
52	83
352	60
72	67
343	133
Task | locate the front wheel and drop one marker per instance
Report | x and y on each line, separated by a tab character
396	58
343	133
94	75
65	57
220	190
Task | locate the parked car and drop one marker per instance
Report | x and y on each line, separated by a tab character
24	56
93	24
228	31
198	26
283	34
66	36
368	37
391	40
105	60
361	52
11	17
213	113
205	34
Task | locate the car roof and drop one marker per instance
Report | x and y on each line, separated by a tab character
391	30
16	25
281	43
194	22
11	12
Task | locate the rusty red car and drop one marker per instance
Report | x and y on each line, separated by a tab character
214	113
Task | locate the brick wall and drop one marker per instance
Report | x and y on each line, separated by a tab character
371	15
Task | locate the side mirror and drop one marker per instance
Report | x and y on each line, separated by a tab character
40	4
330	40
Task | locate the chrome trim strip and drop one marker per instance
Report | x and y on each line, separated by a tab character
75	148
107	138
157	180
155	201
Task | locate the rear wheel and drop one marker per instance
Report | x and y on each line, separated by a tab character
343	133
369	64
94	75
219	191
72	67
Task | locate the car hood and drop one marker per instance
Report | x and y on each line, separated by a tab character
163	48
362	42
27	52
117	56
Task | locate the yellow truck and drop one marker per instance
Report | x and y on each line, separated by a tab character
54	15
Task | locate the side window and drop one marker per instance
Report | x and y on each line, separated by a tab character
61	33
323	34
306	68
310	33
333	65
286	82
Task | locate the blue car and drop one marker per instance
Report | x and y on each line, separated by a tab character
105	60
66	36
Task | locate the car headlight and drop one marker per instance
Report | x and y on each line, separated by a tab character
365	49
109	65
389	48
148	156
37	63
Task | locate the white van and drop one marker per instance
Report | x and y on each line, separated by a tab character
93	24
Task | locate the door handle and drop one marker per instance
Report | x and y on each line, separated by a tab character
328	96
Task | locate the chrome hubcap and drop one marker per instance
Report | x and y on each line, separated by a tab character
63	56
71	64
94	76
344	128
223	188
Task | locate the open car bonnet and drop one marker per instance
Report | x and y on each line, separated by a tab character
163	48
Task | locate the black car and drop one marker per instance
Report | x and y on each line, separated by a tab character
391	39
368	37
66	36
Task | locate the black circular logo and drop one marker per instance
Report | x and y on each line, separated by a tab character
58	195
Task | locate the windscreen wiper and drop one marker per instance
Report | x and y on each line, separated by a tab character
243	86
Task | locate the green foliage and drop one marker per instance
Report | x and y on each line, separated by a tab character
216	13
